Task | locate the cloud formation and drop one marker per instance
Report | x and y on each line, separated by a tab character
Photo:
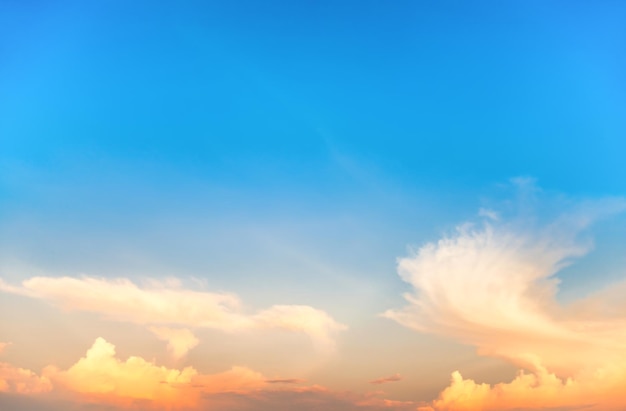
101	381
384	380
179	340
19	380
600	390
493	285
169	304
285	381
102	377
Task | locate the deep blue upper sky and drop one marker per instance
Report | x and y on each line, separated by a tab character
113	110
428	92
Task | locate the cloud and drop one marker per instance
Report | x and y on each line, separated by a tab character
22	381
601	390
391	378
102	376
316	323
285	381
167	303
102	381
312	398
19	380
487	213
179	340
493	285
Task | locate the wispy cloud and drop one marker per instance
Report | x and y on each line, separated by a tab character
493	285
285	381
384	380
179	340
169	304
3	346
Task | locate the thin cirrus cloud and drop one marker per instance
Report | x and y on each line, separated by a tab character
384	380
493	285
164	305
285	381
179	340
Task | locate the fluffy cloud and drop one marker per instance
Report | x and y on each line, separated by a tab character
104	377
19	380
601	390
493	285
22	381
167	303
101	381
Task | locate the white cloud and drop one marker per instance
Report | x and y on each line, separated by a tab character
493	285
168	304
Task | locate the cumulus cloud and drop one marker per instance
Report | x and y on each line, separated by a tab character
168	303
101	380
383	380
599	390
22	381
179	340
19	380
493	285
101	375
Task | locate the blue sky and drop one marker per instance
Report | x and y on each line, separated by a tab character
359	123
292	151
115	113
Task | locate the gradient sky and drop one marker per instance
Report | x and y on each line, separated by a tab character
329	205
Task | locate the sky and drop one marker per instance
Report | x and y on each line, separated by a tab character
329	205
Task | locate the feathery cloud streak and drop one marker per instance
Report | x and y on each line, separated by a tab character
384	380
493	285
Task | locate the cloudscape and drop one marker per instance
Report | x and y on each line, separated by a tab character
316	206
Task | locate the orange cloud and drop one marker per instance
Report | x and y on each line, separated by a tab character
383	380
285	381
167	303
100	380
101	375
599	390
20	380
